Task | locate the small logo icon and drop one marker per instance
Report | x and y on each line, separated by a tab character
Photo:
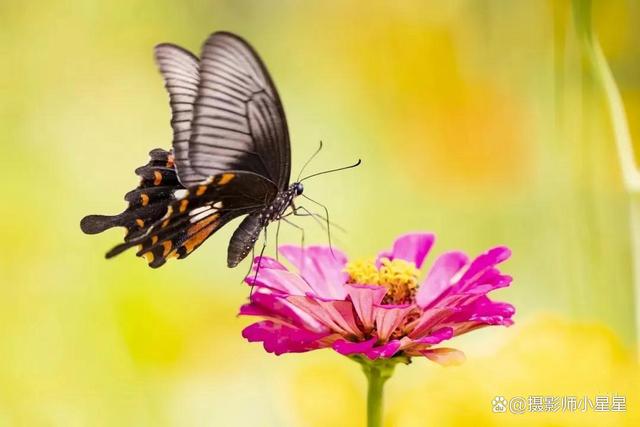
499	404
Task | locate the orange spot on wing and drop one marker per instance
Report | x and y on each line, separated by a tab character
144	199
201	190
225	178
199	232
167	247
201	224
154	240
149	256
157	177
140	222
183	205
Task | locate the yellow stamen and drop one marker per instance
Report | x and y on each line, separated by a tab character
363	271
400	277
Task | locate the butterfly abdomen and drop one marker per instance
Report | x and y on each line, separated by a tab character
247	233
244	238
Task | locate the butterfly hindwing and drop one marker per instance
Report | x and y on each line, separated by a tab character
147	203
197	213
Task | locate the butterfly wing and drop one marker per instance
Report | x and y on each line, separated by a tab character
147	203
229	126
238	119
181	74
198	213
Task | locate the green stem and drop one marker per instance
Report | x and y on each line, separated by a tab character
375	394
377	373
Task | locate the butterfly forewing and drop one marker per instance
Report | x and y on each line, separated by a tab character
239	122
180	70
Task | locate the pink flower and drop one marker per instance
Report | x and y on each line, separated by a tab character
376	308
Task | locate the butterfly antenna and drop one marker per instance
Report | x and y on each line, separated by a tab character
333	170
326	211
309	160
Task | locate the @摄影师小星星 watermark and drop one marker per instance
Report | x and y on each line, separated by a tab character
532	404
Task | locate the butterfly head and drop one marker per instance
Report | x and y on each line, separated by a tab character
298	188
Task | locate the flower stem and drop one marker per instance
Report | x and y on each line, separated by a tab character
375	394
377	373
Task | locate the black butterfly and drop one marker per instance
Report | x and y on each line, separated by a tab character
230	157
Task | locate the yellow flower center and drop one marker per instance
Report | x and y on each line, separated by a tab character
398	276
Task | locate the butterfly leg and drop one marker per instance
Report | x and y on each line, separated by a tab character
253	251
277	240
298	227
264	246
303	211
301	239
326	211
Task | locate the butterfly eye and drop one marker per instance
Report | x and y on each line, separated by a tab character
299	188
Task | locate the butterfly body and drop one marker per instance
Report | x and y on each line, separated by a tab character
247	234
281	203
230	157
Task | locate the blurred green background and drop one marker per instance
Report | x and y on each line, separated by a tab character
476	119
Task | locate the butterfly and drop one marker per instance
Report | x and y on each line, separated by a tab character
230	157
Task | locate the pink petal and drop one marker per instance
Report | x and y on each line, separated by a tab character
439	277
485	282
279	338
363	299
279	280
430	319
320	267
416	347
436	337
483	308
411	247
267	262
445	356
275	307
347	348
481	264
336	315
367	348
388	318
454	300
384	351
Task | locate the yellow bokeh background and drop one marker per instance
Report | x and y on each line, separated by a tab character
478	120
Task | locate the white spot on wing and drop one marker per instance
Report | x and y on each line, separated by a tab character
202	215
201	209
180	194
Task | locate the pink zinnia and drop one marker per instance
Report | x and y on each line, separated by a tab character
378	308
